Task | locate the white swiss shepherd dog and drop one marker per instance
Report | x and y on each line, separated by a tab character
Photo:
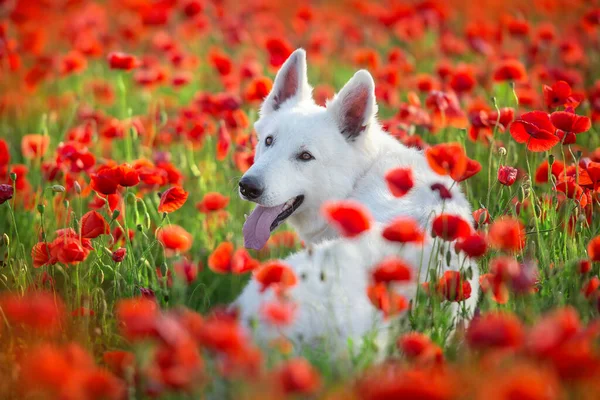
308	155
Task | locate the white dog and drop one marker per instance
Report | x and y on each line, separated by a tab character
307	155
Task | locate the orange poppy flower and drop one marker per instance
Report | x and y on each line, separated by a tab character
386	300
392	270
175	238
452	287
276	274
219	260
242	262
137	317
349	217
474	245
593	249
223	141
34	145
172	199
278	313
447	159
508	234
510	70
212	201
39	311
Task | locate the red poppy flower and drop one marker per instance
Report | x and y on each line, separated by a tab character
119	361
258	89
447	159
507	175
175	238
119	254
219	260
137	317
242	262
68	250
297	377
584	266
187	270
463	79
573	191
279	313
349	217
40	311
34	145
481	217
418	347
279	50
392	270
452	287
386	300
472	169
4	154
106	180
495	330
474	246
560	94
212	201
508	234
276	274
93	225
404	230
442	190
6	192
536	130
223	142
220	61
450	227
129	176
569	124
542	172
124	61
510	70
40	254
594	249
172	199
400	181
590	288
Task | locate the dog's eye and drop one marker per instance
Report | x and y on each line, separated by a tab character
305	156
269	140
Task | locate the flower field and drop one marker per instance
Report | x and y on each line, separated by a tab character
125	126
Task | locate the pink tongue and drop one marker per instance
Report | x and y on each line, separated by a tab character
257	227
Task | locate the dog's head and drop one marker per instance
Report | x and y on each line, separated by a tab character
306	154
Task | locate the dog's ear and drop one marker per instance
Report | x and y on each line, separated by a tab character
354	107
291	83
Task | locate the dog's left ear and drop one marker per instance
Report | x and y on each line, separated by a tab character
354	107
290	85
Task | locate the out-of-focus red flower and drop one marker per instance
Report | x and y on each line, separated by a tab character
278	313
400	181
124	61
275	274
187	270
40	311
212	201
418	347
508	234
258	89
6	192
447	159
568	125
93	225
584	266
223	141
119	254
495	330
279	50
34	145
510	70
172	199
543	171
507	175
472	169
220	61
391	270
175	238
450	227
404	230
4	154
536	130
349	217
481	217
297	377
219	260
474	245
453	287
119	361
593	249
386	300
137	317
242	262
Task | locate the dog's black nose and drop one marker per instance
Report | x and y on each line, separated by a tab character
250	188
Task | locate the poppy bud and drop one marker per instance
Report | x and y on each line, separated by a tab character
58	189
550	160
507	175
13	176
130	198
119	254
502	151
115	214
4	240
77	187
41	208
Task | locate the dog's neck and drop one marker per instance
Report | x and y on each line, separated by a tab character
310	224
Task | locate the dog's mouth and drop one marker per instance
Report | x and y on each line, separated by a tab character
263	220
289	207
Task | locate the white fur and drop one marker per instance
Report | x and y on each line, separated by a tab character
345	167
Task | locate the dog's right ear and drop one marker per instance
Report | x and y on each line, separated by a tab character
291	83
